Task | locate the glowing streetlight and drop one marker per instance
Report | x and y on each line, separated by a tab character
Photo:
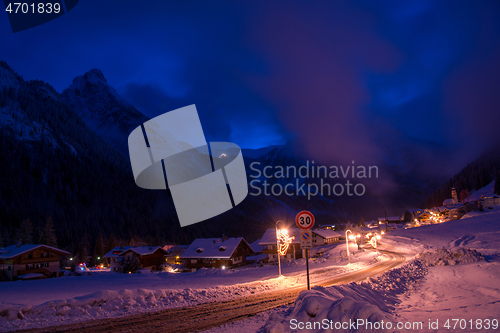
282	243
373	242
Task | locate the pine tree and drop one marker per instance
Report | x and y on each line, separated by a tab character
98	250
497	182
48	236
82	253
112	243
362	222
131	264
25	232
464	195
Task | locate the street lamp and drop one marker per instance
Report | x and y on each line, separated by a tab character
347	245
373	242
282	243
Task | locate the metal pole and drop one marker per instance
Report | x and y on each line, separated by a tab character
279	264
307	268
347	246
278	249
386	222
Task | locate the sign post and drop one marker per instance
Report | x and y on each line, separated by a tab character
305	221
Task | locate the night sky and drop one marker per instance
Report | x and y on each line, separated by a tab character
261	73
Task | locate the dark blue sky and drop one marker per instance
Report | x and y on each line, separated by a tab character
260	73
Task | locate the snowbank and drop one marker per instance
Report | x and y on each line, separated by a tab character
105	304
369	301
442	257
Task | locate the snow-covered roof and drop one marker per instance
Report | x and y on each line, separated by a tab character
455	206
119	249
424	213
212	248
12	251
144	250
449	201
270	236
327	233
175	250
256	247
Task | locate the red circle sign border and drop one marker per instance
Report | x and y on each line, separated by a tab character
307	213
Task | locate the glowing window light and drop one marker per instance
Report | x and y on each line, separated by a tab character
284	241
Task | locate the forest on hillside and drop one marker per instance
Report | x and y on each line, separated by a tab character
473	177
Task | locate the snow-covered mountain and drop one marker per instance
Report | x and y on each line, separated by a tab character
103	110
8	78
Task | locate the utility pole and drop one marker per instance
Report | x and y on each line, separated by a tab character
386	222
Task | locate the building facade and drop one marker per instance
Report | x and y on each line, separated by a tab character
30	261
216	253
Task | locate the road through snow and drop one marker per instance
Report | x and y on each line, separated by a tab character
205	316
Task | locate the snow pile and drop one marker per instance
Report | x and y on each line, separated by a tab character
443	257
324	304
372	300
105	304
402	280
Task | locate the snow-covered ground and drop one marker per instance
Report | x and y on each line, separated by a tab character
39	303
456	277
453	286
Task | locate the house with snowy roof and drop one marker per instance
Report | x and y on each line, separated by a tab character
112	258
490	201
173	254
269	243
150	257
322	237
216	253
29	261
424	217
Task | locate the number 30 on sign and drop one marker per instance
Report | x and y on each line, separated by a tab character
304	220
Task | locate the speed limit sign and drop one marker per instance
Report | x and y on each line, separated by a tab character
304	220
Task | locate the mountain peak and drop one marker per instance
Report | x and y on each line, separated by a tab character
95	73
93	76
103	109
